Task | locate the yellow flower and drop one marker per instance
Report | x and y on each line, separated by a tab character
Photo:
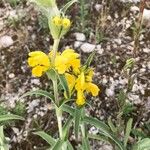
90	87
80	98
57	21
70	80
39	62
67	60
66	23
84	84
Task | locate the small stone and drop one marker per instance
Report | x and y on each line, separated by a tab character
77	44
134	9
118	41
11	75
98	7
6	41
106	147
110	91
99	49
146	15
88	48
146	50
80	36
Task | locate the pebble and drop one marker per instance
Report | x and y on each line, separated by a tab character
106	147
146	50
146	15
6	41
110	91
98	7
80	36
99	49
134	98
77	44
11	75
134	9
131	1
87	47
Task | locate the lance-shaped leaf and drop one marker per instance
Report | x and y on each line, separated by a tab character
39	93
70	147
128	130
64	84
68	109
3	142
77	118
10	117
70	3
58	145
104	130
142	145
89	60
51	141
85	143
66	127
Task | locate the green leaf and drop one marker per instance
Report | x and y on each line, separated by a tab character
77	119
40	93
68	109
138	133
70	147
142	145
10	117
89	60
3	142
51	74
104	130
58	145
64	84
70	3
2	137
85	143
98	137
66	127
111	125
128	130
50	140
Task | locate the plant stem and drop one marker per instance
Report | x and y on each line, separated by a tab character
55	48
138	27
59	120
55	86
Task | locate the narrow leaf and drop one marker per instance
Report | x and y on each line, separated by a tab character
77	116
40	93
70	3
58	145
64	84
144	144
86	144
111	125
89	60
46	137
98	137
66	127
104	130
68	109
10	117
128	130
70	147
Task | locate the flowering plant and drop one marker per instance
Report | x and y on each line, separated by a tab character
72	82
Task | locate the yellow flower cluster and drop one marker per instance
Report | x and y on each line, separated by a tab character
82	83
58	21
68	63
41	62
